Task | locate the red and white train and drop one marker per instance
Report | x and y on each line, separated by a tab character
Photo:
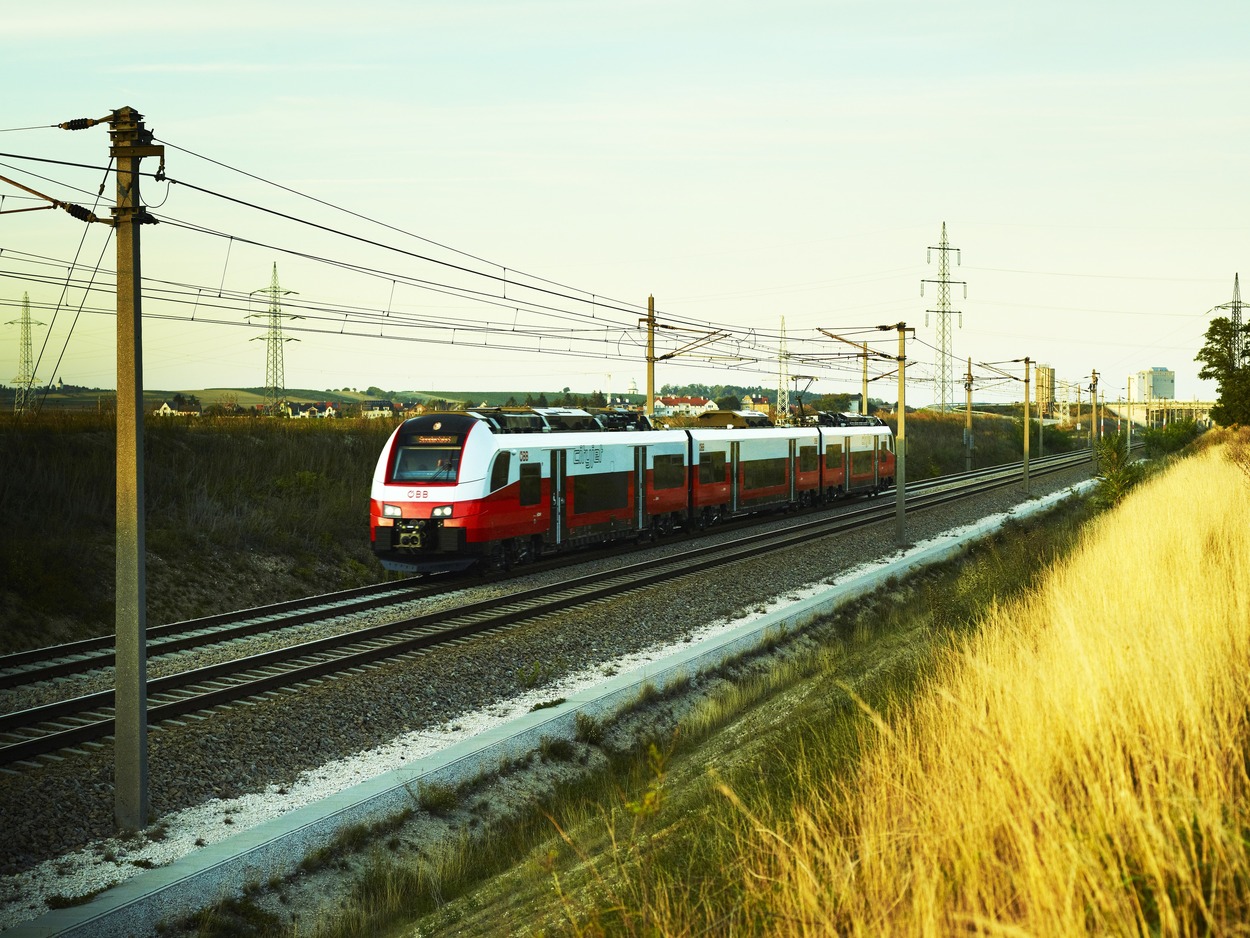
497	487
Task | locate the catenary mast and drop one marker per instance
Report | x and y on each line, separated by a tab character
782	413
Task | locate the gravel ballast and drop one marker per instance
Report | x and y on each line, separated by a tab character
273	750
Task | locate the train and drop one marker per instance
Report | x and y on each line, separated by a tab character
493	488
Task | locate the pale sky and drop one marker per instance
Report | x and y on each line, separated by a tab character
742	162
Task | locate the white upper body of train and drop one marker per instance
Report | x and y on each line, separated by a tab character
454	489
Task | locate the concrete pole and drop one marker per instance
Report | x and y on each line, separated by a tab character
1130	411
1041	417
968	418
1093	416
650	356
130	143
1028	430
900	445
863	394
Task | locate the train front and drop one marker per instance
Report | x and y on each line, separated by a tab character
427	492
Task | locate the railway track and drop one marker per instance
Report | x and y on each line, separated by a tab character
87	720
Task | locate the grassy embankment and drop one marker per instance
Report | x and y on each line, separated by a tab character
239	512
1039	740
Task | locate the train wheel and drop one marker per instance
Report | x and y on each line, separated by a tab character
519	551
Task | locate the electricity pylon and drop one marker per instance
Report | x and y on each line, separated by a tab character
1237	351
25	380
275	380
783	381
944	385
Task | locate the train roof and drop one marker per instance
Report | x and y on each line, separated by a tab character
537	419
733	418
826	419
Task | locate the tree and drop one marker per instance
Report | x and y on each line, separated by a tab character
1232	408
1117	472
1232	405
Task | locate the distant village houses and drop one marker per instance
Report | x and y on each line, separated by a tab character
312	411
375	410
758	404
179	407
683	406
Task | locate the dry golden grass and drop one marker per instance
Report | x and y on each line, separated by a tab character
1079	767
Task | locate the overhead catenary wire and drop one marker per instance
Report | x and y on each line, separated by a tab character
565	313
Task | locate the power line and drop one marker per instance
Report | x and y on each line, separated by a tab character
25	379
945	380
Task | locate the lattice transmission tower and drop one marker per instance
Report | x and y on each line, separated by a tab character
275	380
944	391
1237	350
782	412
25	380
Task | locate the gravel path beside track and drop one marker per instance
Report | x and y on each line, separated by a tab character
68	804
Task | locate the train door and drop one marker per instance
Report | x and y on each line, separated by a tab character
558	532
735	486
792	471
640	488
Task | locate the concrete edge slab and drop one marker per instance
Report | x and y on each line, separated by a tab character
277	847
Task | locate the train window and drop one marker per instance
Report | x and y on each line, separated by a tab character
670	472
600	492
499	472
862	462
807	459
426	464
765	473
711	468
531	484
833	455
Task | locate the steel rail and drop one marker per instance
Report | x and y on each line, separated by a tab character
84	655
204	688
88	654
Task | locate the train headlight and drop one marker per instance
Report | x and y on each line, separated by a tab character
391	511
441	511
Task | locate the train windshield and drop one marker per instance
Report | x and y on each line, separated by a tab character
426	464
